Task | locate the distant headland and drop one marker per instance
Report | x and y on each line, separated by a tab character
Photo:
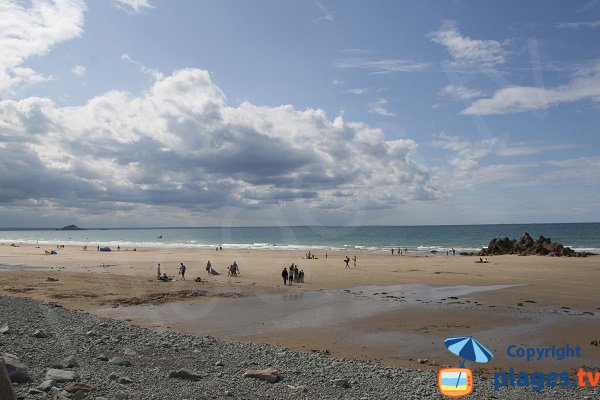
69	228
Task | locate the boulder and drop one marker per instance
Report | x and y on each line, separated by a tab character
17	371
40	334
60	375
187	374
47	385
527	246
270	375
75	387
6	390
121	361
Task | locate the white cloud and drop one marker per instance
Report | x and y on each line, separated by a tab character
385	66
154	73
327	14
380	107
459	92
356	91
579	24
78	70
585	85
465	50
180	145
27	32
133	6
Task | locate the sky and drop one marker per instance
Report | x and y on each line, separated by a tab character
141	113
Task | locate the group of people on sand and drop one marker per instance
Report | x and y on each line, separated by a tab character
219	248
399	252
233	269
347	261
311	256
293	275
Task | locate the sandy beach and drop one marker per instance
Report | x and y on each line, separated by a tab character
391	309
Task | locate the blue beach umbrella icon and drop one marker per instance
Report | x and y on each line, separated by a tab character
469	349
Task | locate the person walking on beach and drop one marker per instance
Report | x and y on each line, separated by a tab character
354	259
284	275
182	271
158	271
453	252
347	261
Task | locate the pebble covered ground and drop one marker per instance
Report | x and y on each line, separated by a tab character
120	361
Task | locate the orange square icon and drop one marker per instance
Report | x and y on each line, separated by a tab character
455	382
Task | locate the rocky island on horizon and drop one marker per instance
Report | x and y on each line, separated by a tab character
70	228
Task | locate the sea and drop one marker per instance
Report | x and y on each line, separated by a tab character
418	240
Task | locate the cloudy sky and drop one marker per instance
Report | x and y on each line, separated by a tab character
281	112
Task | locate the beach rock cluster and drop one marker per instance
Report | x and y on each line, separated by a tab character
122	361
526	246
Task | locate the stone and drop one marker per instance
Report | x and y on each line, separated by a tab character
61	375
422	360
219	363
75	387
51	279
90	333
69	362
185	373
102	357
341	383
47	385
122	396
130	353
34	391
299	388
270	375
39	334
113	376
17	371
5	329
125	380
121	361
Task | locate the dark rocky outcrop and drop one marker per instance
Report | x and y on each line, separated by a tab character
70	228
526	246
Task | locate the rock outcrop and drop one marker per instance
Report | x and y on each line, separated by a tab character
526	246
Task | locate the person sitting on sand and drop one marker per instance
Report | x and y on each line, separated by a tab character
165	278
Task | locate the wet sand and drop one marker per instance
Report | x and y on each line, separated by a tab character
349	312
